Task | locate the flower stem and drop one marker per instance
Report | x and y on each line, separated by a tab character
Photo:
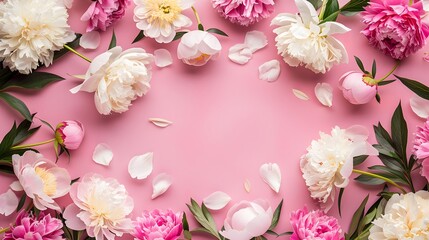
196	15
75	52
389	73
322	9
4	230
380	177
31	145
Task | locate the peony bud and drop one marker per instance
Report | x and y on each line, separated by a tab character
197	47
69	134
358	88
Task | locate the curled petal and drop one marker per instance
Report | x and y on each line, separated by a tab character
247	185
90	40
162	58
102	154
8	202
160	184
240	54
159	122
141	167
270	173
323	93
300	94
420	106
269	71
216	200
255	40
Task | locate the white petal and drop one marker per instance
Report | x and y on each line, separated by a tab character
8	202
247	185
82	77
425	5
330	28
300	94
102	154
323	93
160	184
216	200
307	12
270	173
162	58
269	71
160	122
255	40
420	106
16	186
90	40
240	54
68	3
141	167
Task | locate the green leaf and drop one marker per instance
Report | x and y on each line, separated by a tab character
35	80
139	36
385	82
359	159
113	40
415	86
21	202
340	197
187	234
217	31
276	216
374	69
74	180
354	6
367	219
360	64
47	124
16	104
368	180
316	3
377	97
73	44
179	35
185	223
357	216
8	139
200	27
6	167
331	10
399	132
23	135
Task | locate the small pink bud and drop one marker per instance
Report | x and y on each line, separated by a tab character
358	88
69	134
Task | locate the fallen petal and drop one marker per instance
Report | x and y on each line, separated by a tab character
420	106
162	58
299	94
160	184
255	40
8	203
270	173
247	185
102	154
240	54
269	71
216	200
323	93
141	167
159	122
90	40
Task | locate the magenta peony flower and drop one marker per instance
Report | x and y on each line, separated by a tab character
244	12
30	227
394	27
421	148
158	225
69	134
314	225
102	13
356	88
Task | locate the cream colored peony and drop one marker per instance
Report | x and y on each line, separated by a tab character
405	217
303	40
328	163
117	78
30	32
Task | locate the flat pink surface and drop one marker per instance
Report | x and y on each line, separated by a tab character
226	122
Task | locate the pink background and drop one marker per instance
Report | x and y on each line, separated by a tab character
226	122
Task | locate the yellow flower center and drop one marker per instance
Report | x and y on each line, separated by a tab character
48	179
162	12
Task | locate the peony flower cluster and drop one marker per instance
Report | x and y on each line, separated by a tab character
421	148
69	134
328	163
28	226
118	78
101	13
100	205
395	27
303	40
158	224
30	34
405	217
244	12
197	47
314	225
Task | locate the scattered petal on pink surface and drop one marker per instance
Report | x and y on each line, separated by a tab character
216	200
162	58
160	184
102	155
271	174
140	167
159	122
300	94
90	40
255	40
420	106
8	202
269	71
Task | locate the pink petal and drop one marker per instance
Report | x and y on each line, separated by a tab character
72	221
162	58
255	40
8	202
420	106
90	40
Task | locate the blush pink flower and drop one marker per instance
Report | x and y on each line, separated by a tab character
244	12
356	88
421	148
103	13
27	226
69	134
395	27
314	225
157	224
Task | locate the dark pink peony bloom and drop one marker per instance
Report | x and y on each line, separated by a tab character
421	148
244	12
102	13
30	227
158	224
394	27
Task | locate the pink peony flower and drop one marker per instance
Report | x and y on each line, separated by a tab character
394	27
197	47
102	13
158	225
29	227
69	134
421	148
244	12
356	88
314	225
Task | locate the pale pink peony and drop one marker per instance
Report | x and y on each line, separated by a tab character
42	180
421	148
197	47
69	134
394	27
314	225
102	13
157	224
356	88
29	227
244	12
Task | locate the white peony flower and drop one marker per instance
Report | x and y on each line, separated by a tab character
329	161
405	217
117	78
160	19
197	47
302	40
30	32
